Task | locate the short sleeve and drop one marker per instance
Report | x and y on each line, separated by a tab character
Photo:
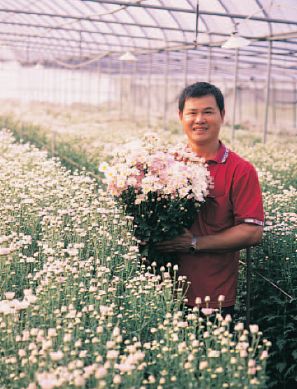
247	196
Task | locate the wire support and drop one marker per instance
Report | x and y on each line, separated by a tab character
270	282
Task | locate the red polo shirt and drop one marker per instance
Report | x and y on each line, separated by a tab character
236	198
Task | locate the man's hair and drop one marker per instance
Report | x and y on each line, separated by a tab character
200	89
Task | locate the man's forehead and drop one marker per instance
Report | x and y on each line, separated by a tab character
208	101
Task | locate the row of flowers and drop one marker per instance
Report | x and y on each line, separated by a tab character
78	310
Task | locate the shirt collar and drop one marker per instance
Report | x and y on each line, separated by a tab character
221	155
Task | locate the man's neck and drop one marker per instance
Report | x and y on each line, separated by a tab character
205	151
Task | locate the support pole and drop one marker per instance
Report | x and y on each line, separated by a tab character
109	86
133	91
295	104
80	71
274	107
235	93
166	90
69	86
268	80
248	285
149	121
186	65
240	104
121	90
209	64
99	82
256	101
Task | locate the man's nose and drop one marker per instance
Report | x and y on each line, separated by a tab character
199	118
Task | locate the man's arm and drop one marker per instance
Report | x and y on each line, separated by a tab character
232	239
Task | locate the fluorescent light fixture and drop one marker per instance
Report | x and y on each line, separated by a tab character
235	41
127	57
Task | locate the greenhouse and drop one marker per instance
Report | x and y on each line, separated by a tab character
111	221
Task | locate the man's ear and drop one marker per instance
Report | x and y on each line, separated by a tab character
223	114
180	114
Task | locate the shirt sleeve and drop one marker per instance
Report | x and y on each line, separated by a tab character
247	196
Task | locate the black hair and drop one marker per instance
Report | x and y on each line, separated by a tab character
200	89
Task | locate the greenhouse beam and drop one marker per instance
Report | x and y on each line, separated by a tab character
187	10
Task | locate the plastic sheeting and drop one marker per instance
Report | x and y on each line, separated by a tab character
47	31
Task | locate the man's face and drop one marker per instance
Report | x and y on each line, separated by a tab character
201	120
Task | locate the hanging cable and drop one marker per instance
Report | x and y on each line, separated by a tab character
81	64
68	23
98	15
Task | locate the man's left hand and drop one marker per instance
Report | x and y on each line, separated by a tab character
180	244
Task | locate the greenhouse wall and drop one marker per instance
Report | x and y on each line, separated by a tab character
150	99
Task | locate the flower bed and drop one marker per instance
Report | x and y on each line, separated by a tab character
78	310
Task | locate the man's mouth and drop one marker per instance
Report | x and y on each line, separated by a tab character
197	129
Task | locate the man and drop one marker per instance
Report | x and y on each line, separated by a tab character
232	217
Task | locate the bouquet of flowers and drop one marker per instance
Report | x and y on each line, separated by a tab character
161	188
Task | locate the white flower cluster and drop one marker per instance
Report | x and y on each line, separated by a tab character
148	166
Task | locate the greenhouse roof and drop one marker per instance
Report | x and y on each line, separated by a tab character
76	31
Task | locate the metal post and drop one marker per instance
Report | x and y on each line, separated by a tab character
56	83
149	90
62	71
99	82
90	76
72	86
109	85
186	65
248	285
268	79
81	80
133	90
166	90
209	64
235	93
256	101
121	89
295	104
240	104
273	96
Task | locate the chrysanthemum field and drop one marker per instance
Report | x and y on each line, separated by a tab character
78	309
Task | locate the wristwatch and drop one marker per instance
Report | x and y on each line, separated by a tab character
194	245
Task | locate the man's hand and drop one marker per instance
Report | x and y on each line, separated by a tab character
181	244
230	240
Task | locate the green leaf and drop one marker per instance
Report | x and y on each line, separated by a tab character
281	366
294	354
